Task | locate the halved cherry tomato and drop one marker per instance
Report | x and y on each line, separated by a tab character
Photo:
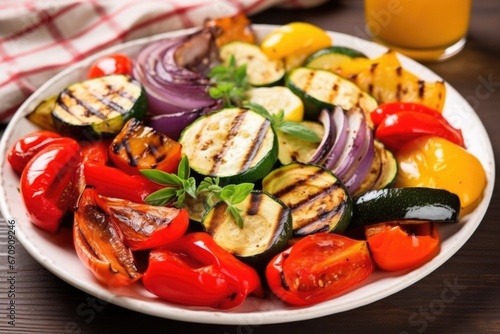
402	127
99	245
391	108
145	226
138	146
111	64
25	148
48	184
113	182
318	267
196	271
398	247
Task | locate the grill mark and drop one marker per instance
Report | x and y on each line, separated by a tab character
291	187
334	92
90	111
111	105
235	125
323	192
255	202
320	223
421	89
219	211
399	90
256	144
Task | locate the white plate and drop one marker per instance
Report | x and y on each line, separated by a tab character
56	252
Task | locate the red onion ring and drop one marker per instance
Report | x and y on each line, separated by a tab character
325	117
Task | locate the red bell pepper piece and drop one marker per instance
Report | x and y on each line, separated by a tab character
99	244
26	147
113	182
398	247
402	127
48	183
391	108
318	267
145	226
195	271
95	151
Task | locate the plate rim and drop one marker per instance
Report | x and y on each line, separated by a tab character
210	316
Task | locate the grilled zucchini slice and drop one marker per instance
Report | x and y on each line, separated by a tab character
261	71
99	107
320	89
405	205
234	144
318	199
267	228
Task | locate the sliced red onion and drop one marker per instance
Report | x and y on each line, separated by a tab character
360	169
325	117
173	72
341	131
355	141
173	124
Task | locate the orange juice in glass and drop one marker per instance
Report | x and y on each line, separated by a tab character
422	29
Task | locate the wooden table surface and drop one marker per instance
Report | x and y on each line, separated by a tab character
46	304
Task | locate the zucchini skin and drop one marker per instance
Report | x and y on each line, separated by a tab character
405	205
318	199
216	221
84	111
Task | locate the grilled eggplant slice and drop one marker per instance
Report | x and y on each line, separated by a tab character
267	228
99	107
234	144
318	199
139	147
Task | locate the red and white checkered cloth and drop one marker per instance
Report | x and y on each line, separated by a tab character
38	38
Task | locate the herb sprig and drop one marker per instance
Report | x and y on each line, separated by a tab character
230	85
182	184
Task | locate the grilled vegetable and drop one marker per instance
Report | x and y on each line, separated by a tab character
333	57
266	230
140	147
406	205
261	71
235	144
317	198
321	89
99	107
42	114
388	81
293	149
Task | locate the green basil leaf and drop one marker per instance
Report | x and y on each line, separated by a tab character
300	131
235	212
183	169
241	191
161	197
161	177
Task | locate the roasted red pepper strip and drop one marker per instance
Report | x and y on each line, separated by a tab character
398	247
26	147
145	226
318	267
99	244
48	184
391	108
95	151
400	128
113	182
195	271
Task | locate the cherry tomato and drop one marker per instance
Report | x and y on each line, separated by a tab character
111	64
318	267
398	247
48	184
